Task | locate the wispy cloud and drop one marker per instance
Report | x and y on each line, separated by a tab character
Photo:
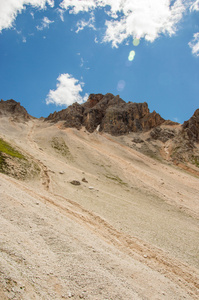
143	18
45	24
19	32
90	23
195	6
68	91
125	18
32	14
82	62
194	44
77	6
61	13
9	9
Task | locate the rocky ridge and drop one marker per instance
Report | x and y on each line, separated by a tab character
191	127
110	114
14	110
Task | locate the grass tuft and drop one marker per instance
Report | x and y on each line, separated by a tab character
116	179
9	150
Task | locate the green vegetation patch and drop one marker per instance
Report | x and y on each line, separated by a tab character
15	164
195	161
9	150
60	146
116	179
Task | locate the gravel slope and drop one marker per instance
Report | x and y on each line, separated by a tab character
128	231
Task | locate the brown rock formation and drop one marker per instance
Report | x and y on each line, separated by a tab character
162	134
13	109
110	114
191	127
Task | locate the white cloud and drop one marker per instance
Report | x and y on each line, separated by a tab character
9	9
45	23
82	24
77	5
61	13
32	15
67	91
82	62
125	18
195	6
24	40
143	18
194	44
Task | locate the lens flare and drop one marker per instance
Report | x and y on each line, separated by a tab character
136	42
121	85
131	55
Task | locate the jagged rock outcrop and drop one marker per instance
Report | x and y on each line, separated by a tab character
108	113
162	134
182	140
186	142
191	127
13	109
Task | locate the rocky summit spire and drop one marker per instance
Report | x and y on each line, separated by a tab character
108	113
14	110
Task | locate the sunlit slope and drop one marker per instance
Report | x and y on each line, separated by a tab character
141	206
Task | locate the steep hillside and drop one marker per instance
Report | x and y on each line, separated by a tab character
110	114
106	216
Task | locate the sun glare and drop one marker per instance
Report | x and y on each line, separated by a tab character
136	42
131	55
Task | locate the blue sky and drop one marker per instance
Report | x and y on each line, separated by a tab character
54	53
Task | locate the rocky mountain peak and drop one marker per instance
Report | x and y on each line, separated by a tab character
93	99
13	109
108	113
111	114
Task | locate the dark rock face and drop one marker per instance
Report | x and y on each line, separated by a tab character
162	134
73	116
108	113
186	142
93	100
13	109
191	127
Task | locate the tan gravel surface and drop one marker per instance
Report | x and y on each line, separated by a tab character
128	231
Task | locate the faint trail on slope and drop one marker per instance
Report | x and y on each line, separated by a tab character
183	275
156	259
144	176
44	175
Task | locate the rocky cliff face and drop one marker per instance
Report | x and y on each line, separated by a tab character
13	109
191	127
108	113
181	142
